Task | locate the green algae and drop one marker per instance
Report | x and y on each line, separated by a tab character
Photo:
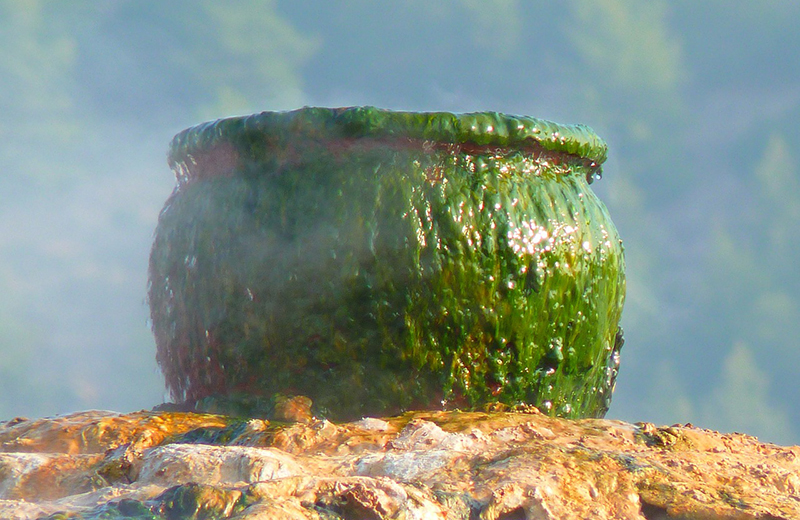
189	501
669	437
125	509
380	261
215	435
194	501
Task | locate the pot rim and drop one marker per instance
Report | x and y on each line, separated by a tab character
272	130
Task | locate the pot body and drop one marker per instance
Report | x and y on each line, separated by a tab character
361	259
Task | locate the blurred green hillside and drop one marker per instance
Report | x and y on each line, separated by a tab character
699	102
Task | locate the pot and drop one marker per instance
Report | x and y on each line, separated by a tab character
379	261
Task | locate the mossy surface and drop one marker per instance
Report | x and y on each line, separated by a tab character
125	509
268	137
377	261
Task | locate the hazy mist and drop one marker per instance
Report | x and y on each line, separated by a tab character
699	102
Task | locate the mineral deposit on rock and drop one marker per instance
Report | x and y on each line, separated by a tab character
421	465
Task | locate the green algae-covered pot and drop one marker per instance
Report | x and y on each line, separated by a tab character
377	261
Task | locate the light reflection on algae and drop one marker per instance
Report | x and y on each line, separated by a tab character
379	261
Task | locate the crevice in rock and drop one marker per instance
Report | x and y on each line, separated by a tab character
654	512
514	514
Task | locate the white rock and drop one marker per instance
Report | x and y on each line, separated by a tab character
420	449
424	435
22	510
14	467
405	467
204	464
373	424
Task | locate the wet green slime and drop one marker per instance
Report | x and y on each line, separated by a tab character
379	261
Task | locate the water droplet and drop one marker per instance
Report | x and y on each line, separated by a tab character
594	174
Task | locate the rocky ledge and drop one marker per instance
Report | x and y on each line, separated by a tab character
421	465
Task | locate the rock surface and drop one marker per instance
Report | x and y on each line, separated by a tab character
421	465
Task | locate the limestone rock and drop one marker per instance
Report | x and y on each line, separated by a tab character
421	465
184	463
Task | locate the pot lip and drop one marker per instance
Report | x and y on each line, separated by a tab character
268	130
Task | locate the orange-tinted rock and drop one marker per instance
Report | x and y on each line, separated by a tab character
447	465
96	431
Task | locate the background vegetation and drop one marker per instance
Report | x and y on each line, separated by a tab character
699	101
